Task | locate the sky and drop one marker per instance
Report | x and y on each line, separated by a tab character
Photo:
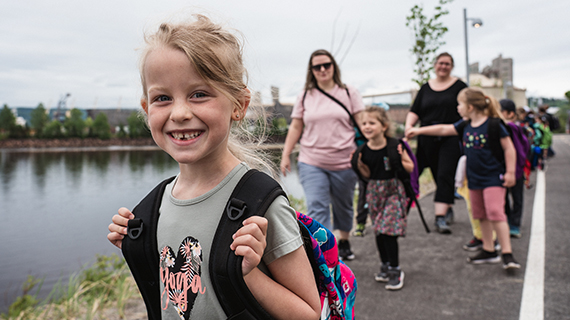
89	48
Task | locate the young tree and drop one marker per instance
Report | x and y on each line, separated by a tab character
101	128
428	34
39	120
74	125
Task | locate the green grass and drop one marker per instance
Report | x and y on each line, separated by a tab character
105	285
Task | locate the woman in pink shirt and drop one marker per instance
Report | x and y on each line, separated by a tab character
326	135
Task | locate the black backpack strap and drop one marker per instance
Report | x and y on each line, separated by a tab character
494	130
354	162
253	195
140	248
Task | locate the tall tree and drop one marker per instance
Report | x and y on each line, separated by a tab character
101	128
39	119
428	34
7	119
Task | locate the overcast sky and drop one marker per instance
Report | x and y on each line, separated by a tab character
88	48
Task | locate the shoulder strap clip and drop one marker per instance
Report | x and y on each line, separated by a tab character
235	209
135	228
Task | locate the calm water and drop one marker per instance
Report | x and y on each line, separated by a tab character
55	209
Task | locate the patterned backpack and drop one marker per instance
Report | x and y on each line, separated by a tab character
335	281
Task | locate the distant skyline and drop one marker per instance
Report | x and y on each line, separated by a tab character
88	48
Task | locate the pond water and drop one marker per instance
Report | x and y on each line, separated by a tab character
55	208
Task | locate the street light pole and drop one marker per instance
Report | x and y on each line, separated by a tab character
476	23
466	47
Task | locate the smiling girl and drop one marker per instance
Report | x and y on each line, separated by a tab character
194	96
385	193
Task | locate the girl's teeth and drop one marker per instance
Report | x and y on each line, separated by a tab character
185	136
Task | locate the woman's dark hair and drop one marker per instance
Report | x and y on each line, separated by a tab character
444	54
311	82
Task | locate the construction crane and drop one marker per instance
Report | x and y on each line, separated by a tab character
59	115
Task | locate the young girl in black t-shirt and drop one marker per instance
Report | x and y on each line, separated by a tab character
385	195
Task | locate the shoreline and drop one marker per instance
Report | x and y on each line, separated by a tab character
34	145
76	145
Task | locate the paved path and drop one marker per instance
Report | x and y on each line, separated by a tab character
439	284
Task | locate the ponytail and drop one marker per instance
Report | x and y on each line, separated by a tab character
493	108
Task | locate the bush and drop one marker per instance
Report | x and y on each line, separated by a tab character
137	126
54	130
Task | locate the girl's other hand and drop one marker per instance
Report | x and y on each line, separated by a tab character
509	180
411	132
249	242
363	168
118	229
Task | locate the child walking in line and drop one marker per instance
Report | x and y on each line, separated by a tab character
195	98
522	146
385	195
487	175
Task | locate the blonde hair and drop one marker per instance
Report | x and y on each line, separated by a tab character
382	116
216	54
477	98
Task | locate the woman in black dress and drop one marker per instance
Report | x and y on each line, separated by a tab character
436	103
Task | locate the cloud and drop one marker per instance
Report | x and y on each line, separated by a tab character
88	48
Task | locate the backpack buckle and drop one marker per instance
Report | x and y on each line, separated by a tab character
235	209
135	228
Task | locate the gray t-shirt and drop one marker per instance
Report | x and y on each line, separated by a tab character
185	233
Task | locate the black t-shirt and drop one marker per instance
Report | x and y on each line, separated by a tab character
378	163
435	107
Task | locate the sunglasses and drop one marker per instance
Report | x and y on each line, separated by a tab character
322	65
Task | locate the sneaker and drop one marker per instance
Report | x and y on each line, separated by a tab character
449	216
396	279
441	226
344	251
515	232
382	276
484	257
360	230
509	262
473	245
